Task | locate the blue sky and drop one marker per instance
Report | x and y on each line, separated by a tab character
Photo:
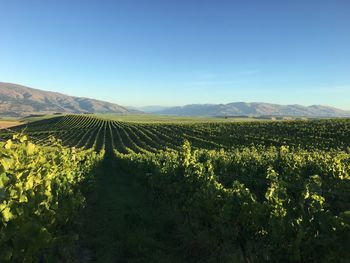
165	52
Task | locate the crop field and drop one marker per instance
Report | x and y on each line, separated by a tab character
149	118
126	137
93	189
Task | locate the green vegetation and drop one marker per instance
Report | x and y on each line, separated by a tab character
98	133
149	118
32	118
252	204
183	191
39	198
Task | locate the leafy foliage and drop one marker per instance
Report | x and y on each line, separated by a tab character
232	192
39	198
253	204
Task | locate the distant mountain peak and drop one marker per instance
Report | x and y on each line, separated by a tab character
18	100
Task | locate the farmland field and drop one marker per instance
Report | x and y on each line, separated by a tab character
8	123
181	191
99	133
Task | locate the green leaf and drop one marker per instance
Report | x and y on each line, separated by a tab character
23	138
8	144
7	215
23	199
3	180
5	164
30	148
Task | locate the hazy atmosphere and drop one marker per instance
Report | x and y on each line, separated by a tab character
138	53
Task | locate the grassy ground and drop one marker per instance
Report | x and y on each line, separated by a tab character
140	118
143	118
7	123
119	224
39	118
148	118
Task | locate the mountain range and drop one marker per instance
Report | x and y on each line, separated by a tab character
18	100
252	109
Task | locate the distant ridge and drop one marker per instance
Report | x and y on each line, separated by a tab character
18	100
254	109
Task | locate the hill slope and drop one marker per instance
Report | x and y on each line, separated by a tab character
17	100
254	109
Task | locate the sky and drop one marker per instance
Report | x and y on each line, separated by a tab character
167	52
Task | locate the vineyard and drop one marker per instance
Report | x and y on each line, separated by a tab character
175	192
89	132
